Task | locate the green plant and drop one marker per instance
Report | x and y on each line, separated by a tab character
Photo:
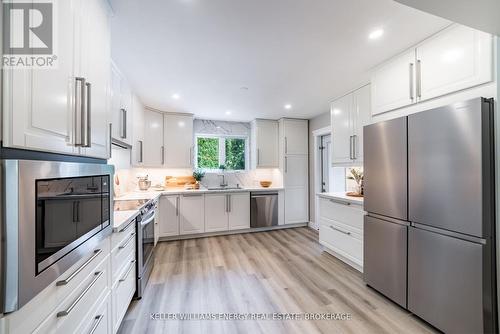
356	175
208	153
198	174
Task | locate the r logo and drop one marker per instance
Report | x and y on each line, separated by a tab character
29	28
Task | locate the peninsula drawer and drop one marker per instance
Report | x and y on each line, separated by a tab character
117	238
120	255
342	212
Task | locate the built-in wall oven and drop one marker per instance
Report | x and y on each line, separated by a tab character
54	214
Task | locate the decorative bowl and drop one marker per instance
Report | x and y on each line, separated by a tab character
265	184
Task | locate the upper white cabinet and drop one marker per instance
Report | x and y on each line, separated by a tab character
137	132
192	211
178	140
121	107
264	153
153	154
54	110
455	59
349	114
293	147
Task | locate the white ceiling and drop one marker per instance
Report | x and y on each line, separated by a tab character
302	52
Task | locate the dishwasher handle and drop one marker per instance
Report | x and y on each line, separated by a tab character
263	195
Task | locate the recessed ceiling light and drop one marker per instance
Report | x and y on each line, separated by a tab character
228	112
176	96
377	33
287	106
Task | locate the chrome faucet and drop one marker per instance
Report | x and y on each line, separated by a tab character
223	182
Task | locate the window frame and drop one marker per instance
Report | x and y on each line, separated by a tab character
222	152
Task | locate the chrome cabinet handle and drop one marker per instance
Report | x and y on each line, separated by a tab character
110	139
128	271
97	321
411	81
229	202
340	202
419	78
225	205
192	195
350	147
140	152
354	152
163	155
87	138
339	230
97	252
79	121
127	241
126	227
77	300
123	132
177	200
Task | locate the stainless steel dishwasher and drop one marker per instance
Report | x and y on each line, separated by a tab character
263	209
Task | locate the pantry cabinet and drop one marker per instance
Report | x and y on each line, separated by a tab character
264	148
455	59
48	109
178	140
348	116
154	153
192	214
121	107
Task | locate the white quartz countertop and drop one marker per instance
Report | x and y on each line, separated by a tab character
122	218
342	196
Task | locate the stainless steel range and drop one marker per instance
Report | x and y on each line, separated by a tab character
145	239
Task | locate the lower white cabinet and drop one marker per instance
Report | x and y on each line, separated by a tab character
123	291
192	214
239	211
98	321
229	211
341	230
169	215
296	181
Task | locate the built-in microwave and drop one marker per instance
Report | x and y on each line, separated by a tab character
54	214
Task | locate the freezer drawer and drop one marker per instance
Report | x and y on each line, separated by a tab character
445	281
385	168
385	253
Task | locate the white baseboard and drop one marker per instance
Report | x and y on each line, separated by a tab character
313	225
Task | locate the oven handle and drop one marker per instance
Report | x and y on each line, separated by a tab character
147	221
77	300
97	252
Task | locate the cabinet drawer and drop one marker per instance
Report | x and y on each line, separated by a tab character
118	238
341	212
122	292
342	240
121	254
98	321
69	314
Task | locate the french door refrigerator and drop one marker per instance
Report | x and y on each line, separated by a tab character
430	233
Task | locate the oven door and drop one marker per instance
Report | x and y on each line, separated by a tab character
46	232
146	240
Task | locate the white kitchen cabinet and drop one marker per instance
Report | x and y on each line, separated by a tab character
454	59
153	154
169	215
239	210
137	132
295	132
216	212
348	116
178	140
192	214
264	153
392	84
121	107
99	321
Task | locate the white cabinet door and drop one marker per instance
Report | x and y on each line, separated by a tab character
137	132
361	115
95	68
455	59
169	215
126	113
216	212
341	129
296	189
178	140
266	144
153	139
392	84
296	136
239	211
38	105
115	102
192	210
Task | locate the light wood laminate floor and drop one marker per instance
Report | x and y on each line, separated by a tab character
278	271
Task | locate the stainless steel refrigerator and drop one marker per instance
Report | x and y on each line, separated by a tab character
429	235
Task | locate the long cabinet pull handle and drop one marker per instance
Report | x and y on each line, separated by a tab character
350	147
229	202
163	155
87	132
177	199
77	300
128	271
79	117
110	139
354	151
127	241
123	132
140	151
97	252
97	321
340	202
419	78
339	230
126	227
411	82
258	157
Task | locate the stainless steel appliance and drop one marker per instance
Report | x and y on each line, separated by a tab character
145	245
430	232
263	209
54	214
